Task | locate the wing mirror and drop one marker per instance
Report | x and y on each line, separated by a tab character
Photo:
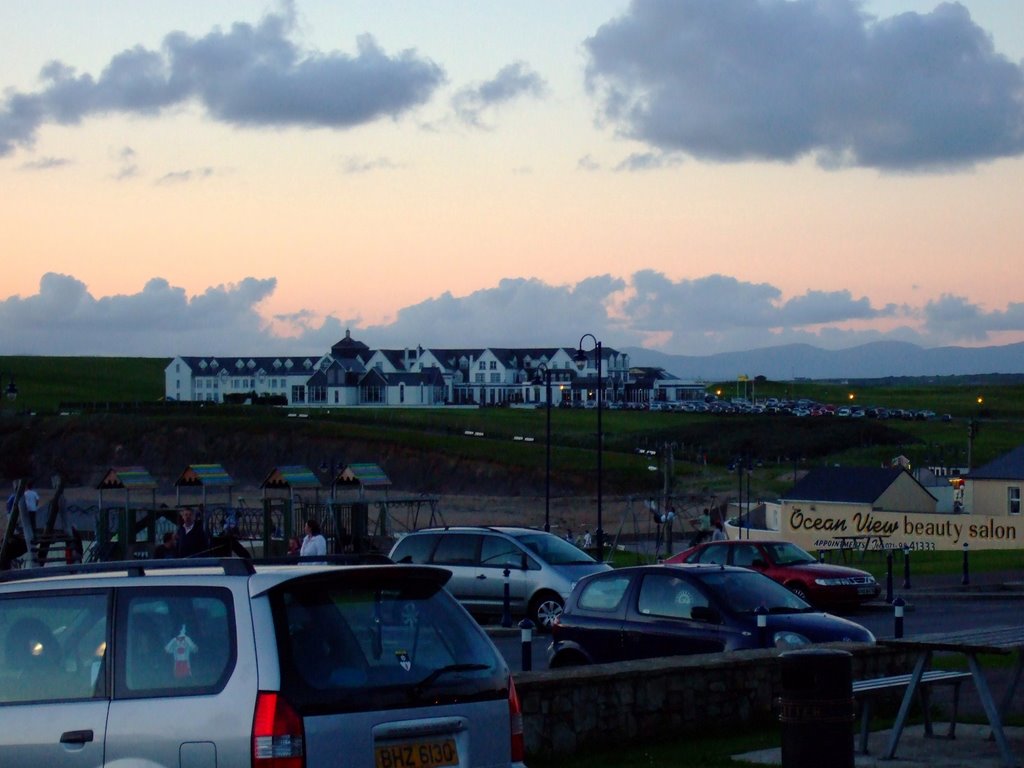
705	613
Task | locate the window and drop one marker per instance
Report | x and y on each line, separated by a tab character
483	365
604	594
716	553
1013	499
174	642
479	378
493	365
298	393
495	378
457	549
499	552
669	596
54	647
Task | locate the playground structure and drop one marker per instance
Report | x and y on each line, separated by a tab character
353	520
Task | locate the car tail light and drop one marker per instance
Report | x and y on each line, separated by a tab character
278	740
515	717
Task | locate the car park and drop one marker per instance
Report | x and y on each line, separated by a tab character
821	584
541	567
649	611
222	662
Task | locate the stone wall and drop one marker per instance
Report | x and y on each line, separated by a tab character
581	709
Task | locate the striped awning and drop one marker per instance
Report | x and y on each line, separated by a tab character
294	477
366	475
208	475
130	478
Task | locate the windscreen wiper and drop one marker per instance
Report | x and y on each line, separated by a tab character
418	689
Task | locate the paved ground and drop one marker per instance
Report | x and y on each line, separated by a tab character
970	749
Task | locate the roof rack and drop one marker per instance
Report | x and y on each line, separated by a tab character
232	566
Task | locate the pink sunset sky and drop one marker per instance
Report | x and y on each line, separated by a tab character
693	176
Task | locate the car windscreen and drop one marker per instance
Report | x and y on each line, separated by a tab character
554	550
744	591
369	640
784	553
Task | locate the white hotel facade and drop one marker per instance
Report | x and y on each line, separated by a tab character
352	374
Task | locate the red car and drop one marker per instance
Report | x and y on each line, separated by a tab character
820	584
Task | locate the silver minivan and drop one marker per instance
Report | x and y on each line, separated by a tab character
207	663
542	567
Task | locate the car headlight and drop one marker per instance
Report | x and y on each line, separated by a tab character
841	582
787	639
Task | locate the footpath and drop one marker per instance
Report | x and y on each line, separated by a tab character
972	747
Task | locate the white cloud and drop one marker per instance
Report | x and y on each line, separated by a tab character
716	313
252	76
734	80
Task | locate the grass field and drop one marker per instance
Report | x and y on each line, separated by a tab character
778	444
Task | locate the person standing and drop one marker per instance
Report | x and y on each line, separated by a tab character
588	540
313	543
191	536
30	505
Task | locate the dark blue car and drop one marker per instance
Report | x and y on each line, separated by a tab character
666	610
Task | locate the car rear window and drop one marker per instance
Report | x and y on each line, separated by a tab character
370	639
414	549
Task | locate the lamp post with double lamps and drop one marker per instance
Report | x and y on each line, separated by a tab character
581	363
543	373
11	390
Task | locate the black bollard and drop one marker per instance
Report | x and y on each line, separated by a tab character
506	610
897	612
888	577
906	567
967	576
762	625
821	555
816	708
526	635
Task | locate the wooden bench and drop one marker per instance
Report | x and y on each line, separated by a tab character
866	690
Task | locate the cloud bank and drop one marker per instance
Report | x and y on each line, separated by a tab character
251	76
736	80
706	315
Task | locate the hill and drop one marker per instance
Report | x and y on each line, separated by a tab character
879	359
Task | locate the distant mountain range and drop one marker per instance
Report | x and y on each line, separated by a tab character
877	360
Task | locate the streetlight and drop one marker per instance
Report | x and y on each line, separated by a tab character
11	392
581	362
543	372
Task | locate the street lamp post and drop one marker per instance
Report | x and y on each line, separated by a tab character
545	372
11	391
581	362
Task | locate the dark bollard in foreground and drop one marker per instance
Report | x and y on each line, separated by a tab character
506	610
526	635
897	613
762	625
967	575
816	708
888	577
906	567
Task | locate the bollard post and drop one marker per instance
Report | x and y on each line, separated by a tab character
906	567
898	605
967	576
816	708
762	625
821	555
888	576
506	608
526	636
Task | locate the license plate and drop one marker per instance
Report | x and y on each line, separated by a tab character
865	590
417	754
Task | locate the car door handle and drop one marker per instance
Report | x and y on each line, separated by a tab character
76	737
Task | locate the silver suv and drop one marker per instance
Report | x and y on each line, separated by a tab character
220	662
542	568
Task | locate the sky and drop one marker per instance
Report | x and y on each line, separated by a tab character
689	176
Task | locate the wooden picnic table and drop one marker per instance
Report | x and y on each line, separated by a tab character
969	643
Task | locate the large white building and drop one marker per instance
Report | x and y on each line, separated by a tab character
352	374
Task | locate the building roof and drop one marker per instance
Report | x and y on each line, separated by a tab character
1009	466
857	485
